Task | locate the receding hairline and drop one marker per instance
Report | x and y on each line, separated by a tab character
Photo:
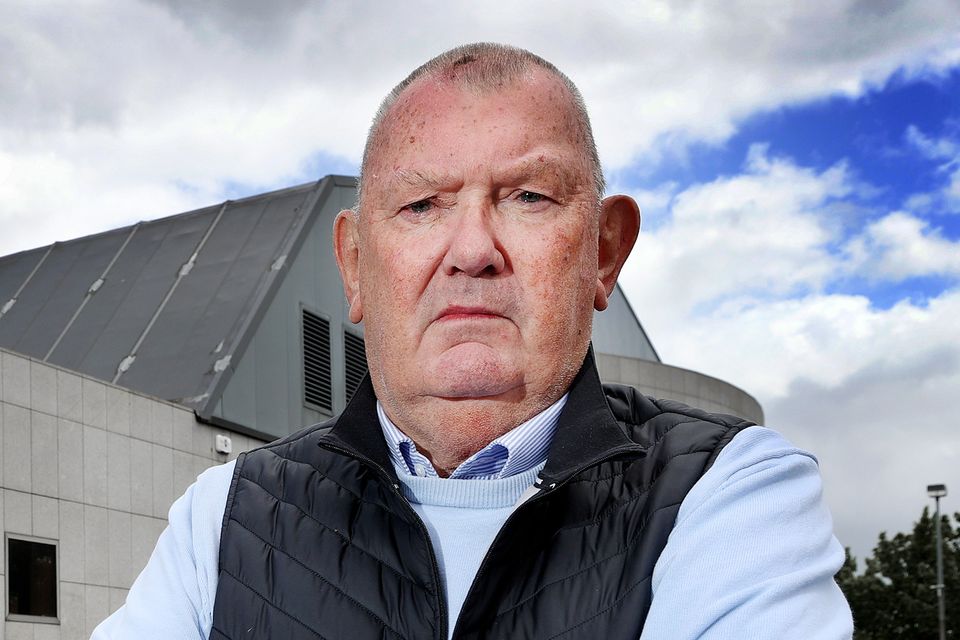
482	67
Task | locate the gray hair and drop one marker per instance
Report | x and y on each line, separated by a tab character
483	66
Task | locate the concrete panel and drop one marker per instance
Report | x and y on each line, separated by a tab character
44	457
162	480
72	612
141	477
16	379
143	539
203	440
94	403
96	607
17	512
140	417
16	447
46	632
183	475
117	598
118	556
161	424
94	466
19	631
70	459
118	471
46	517
184	423
71	541
96	532
118	411
69	396
43	387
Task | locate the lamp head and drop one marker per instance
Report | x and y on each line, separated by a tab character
936	490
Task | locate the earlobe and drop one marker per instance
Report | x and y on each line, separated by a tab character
346	248
619	227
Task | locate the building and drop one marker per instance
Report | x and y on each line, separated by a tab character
133	359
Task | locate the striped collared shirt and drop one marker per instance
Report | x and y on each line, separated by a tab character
514	452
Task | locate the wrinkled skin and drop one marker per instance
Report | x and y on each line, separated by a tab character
477	259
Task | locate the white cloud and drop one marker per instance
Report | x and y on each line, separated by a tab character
766	231
900	246
946	151
150	105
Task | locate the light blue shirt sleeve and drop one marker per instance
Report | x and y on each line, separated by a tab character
173	596
753	553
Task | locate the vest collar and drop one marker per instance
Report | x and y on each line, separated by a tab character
586	430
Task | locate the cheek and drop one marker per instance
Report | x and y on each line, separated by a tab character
561	280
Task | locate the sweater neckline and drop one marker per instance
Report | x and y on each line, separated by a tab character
473	493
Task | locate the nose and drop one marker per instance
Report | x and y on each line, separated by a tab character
474	248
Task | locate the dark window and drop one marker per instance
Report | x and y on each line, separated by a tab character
355	359
317	386
31	578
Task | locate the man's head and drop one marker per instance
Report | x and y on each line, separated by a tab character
480	247
484	67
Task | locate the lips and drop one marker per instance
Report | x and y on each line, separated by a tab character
458	312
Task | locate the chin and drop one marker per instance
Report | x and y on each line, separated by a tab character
474	373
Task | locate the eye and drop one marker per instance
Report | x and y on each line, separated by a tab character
530	197
420	206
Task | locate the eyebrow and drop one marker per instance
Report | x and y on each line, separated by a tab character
417	179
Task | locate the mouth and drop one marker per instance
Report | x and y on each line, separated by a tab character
456	312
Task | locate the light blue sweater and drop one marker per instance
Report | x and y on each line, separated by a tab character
463	517
752	554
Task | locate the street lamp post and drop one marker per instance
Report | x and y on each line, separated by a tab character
937	491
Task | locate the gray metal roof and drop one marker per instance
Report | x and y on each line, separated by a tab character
160	306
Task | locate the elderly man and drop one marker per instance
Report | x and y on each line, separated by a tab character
482	483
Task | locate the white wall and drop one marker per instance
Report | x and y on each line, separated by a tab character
95	467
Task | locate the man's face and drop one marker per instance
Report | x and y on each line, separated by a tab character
477	246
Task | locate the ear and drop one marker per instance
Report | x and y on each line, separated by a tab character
619	226
346	246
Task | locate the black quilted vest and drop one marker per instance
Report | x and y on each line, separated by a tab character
319	542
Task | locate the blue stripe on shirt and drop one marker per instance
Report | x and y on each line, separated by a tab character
516	451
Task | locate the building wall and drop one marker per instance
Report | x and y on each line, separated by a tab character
674	383
95	467
616	330
265	392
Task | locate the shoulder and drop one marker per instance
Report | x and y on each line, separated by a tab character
757	525
649	422
282	446
634	408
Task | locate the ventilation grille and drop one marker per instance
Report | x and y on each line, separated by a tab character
317	387
355	357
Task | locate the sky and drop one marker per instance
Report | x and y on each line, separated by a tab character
797	164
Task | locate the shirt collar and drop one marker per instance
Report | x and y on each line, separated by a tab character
516	451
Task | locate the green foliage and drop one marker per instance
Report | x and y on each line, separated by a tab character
894	597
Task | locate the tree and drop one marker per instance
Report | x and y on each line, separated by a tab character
894	597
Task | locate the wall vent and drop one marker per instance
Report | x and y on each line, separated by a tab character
317	385
355	357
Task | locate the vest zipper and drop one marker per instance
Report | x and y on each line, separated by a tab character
435	566
547	489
